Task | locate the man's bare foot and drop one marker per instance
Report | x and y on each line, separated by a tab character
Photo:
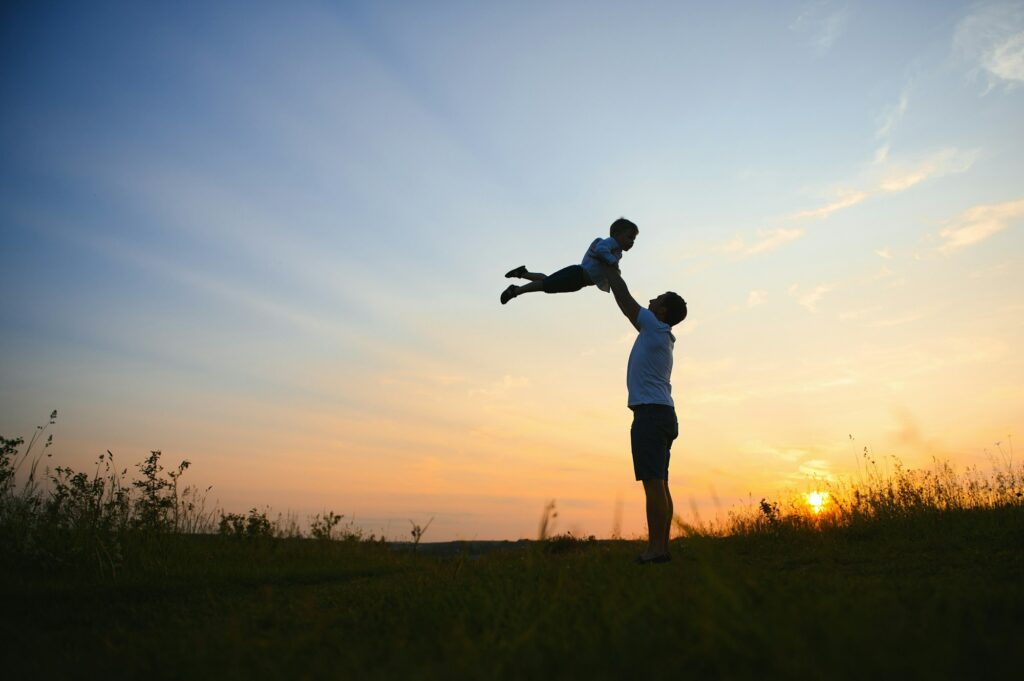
649	557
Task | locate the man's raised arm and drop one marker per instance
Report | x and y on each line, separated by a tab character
626	303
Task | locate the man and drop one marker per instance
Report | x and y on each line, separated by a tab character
648	380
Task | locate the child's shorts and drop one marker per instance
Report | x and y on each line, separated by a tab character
567	280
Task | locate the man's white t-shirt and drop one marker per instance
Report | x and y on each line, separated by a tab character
649	371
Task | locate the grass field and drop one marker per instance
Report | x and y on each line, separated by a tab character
910	575
936	596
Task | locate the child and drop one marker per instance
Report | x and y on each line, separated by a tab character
574	277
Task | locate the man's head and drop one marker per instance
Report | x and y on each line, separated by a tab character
624	231
669	307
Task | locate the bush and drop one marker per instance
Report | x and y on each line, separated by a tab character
83	520
256	524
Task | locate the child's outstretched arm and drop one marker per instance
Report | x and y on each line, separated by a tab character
630	308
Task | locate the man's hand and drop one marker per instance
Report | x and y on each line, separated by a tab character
630	308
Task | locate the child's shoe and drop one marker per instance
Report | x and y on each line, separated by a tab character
508	294
517	272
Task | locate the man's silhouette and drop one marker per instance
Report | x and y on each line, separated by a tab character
648	379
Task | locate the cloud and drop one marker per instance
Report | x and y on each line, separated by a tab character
881	154
992	39
861	313
899	321
694	368
1006	60
884	253
890	176
846	199
892	116
999	270
772	239
904	175
887	122
756	298
883	273
976	224
884	175
816	468
739	392
823	22
500	389
810	299
768	240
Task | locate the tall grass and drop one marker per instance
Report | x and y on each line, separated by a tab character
51	518
57	517
887	494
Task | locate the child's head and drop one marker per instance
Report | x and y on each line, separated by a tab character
624	231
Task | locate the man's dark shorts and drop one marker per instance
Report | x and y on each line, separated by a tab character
654	428
567	280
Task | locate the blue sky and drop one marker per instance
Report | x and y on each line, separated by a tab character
270	239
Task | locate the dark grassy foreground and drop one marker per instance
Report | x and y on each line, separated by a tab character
939	594
905	573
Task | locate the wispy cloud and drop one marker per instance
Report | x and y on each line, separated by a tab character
756	298
860	313
900	176
500	389
767	240
816	468
884	176
976	224
889	119
810	299
847	198
992	39
899	321
881	153
992	272
823	22
887	122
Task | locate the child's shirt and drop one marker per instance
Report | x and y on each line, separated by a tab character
601	251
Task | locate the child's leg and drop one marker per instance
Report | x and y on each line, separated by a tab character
565	280
535	285
514	291
522	273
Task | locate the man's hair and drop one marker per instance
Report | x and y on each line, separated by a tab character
675	308
622	226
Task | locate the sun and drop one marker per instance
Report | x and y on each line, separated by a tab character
816	500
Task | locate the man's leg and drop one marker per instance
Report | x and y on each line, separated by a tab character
668	517
657	508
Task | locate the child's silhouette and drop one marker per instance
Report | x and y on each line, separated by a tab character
587	273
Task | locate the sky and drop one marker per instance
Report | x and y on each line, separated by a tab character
269	238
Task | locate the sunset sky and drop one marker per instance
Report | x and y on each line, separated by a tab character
269	238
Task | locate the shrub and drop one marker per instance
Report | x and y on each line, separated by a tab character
255	524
